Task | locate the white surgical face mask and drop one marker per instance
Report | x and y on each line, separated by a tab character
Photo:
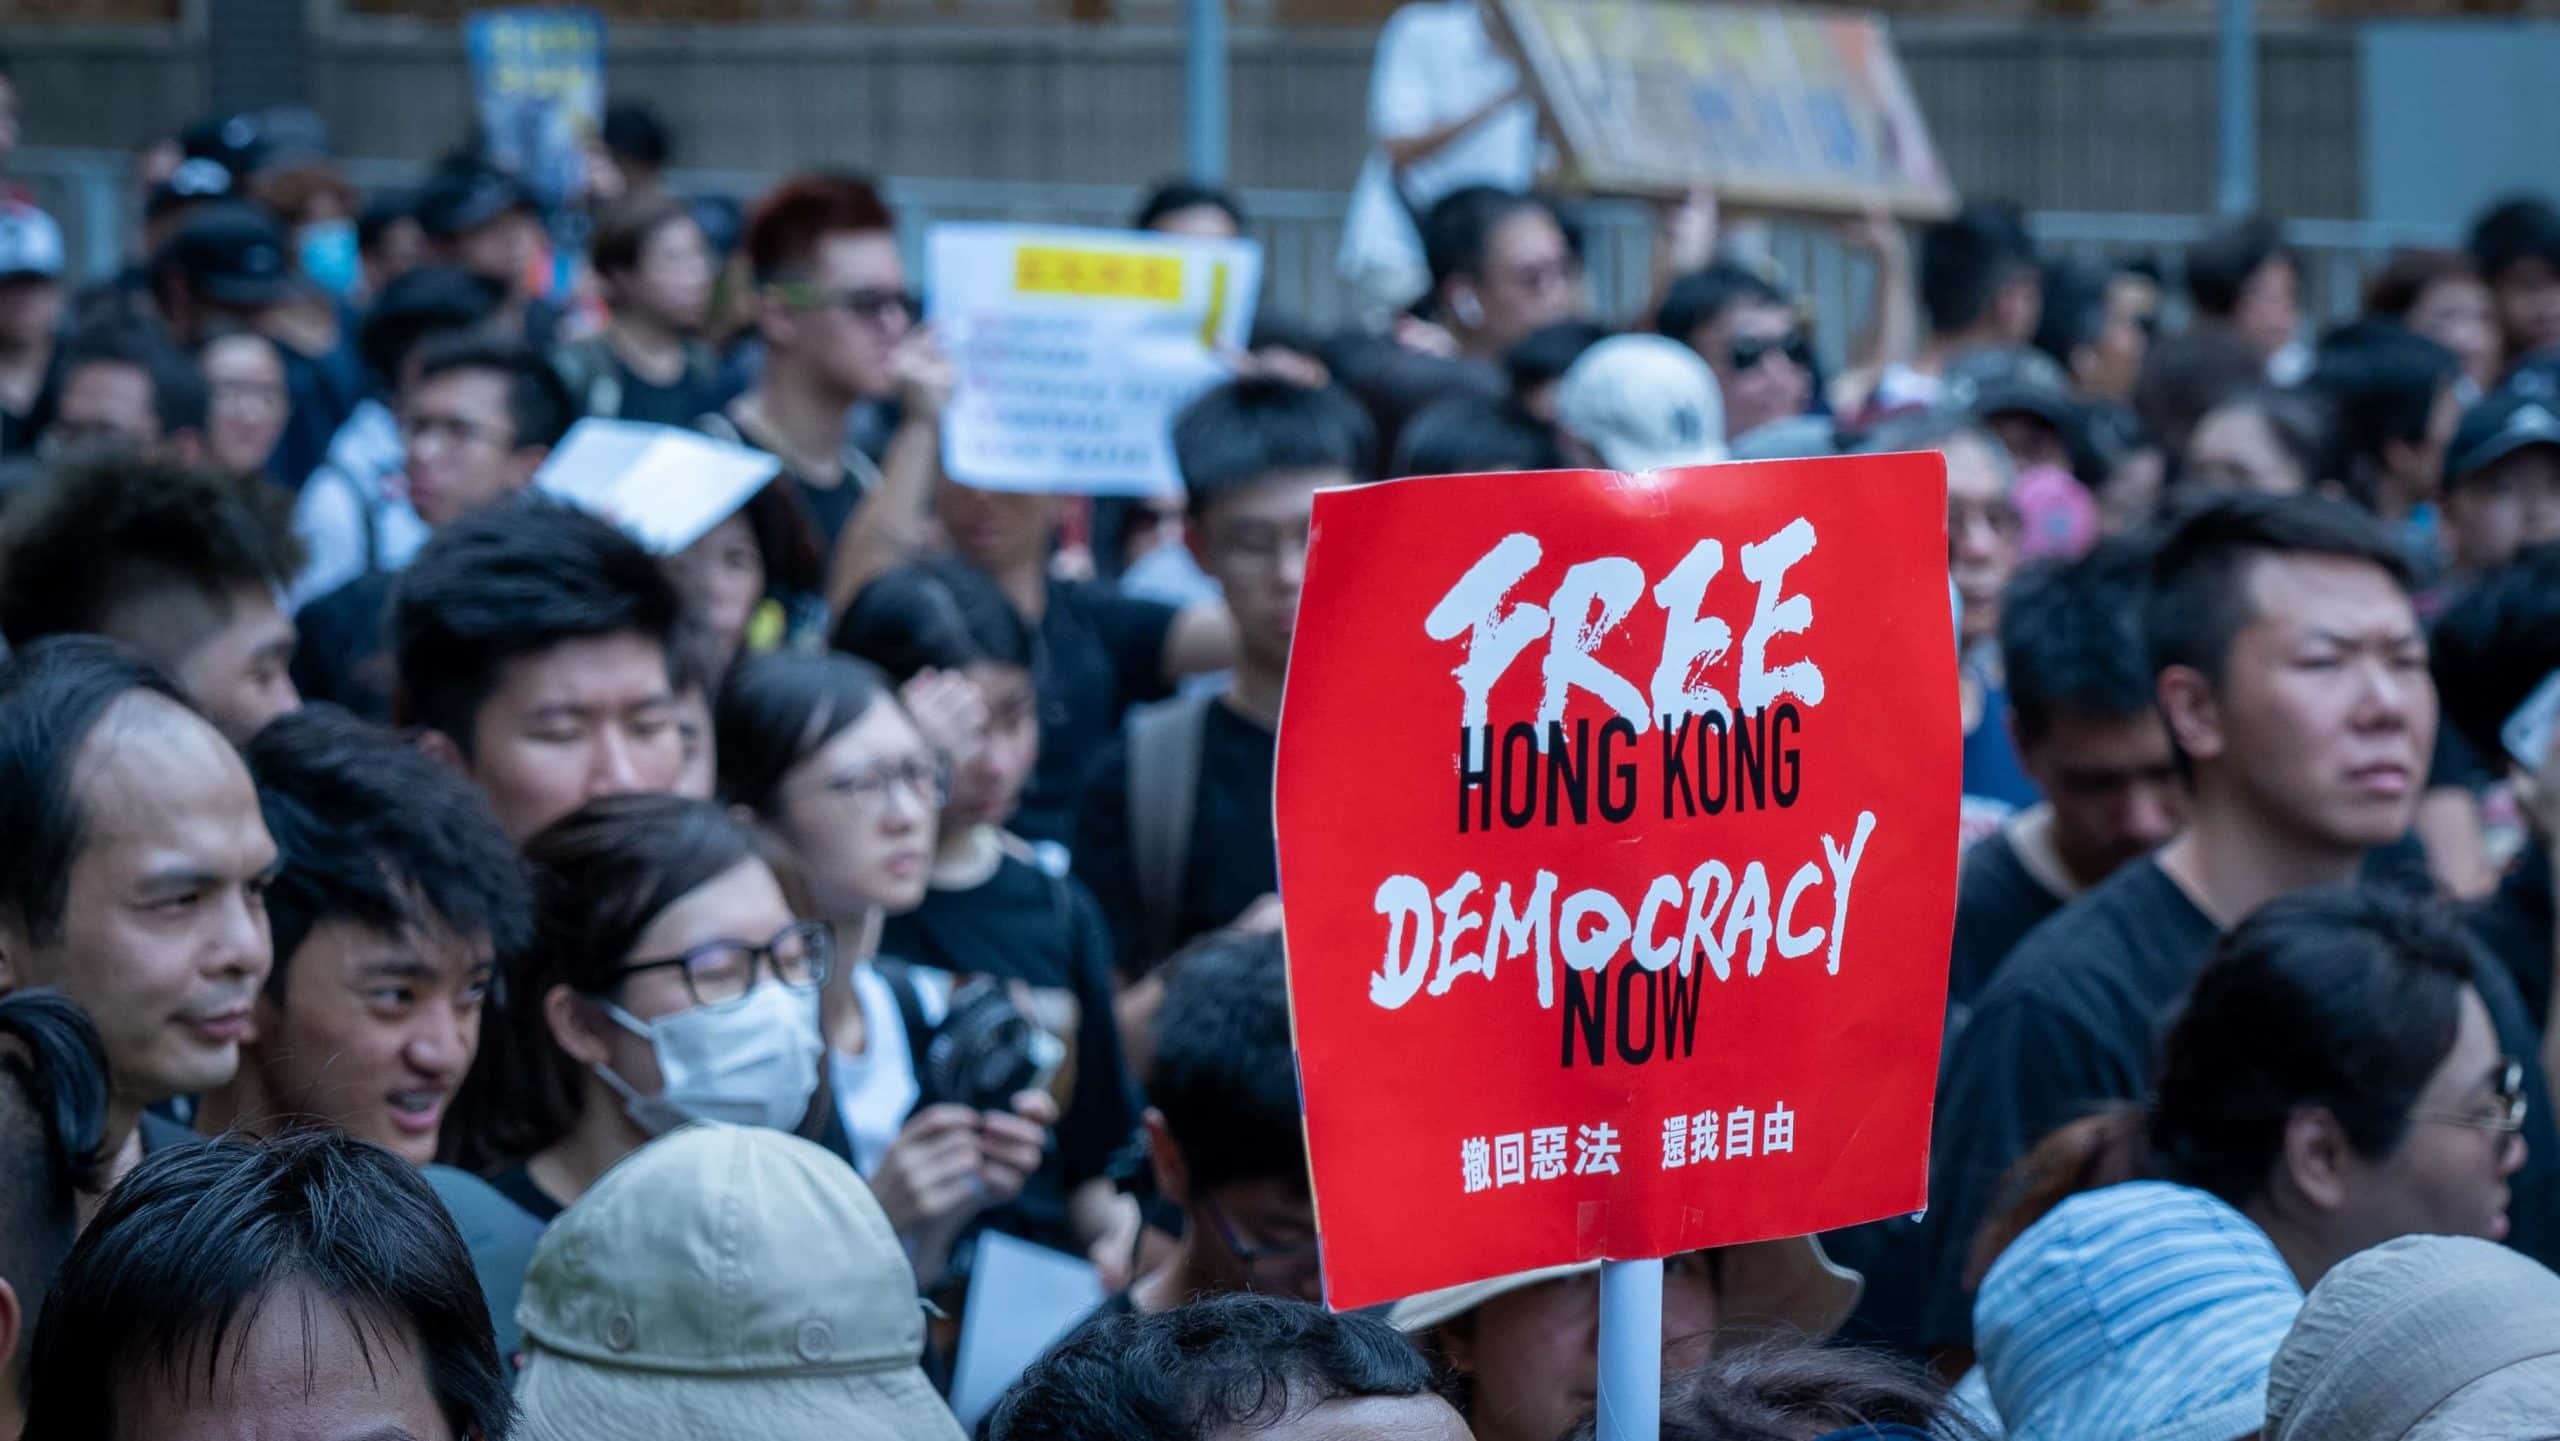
751	1064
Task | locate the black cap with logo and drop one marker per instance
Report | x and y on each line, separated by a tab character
2496	428
231	253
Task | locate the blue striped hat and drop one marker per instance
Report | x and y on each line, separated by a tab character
2140	1312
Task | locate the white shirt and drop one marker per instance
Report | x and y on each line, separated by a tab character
1435	65
877	1090
359	474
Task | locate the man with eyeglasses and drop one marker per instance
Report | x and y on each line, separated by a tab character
392	894
1224	1133
478	416
851	396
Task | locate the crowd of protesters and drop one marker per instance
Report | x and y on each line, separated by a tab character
464	975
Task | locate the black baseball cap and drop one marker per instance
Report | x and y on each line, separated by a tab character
2012	380
232	253
2496	428
462	196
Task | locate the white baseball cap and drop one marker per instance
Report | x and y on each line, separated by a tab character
726	1281
1645	402
30	243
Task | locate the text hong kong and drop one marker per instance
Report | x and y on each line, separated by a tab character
1708	755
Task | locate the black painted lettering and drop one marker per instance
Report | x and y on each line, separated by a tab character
1617	777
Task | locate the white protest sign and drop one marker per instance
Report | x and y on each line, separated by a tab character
1074	348
666	485
1022	1298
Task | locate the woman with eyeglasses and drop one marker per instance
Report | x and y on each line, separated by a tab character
820	751
669	980
2334	1081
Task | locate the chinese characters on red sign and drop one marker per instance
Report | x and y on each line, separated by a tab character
1617	824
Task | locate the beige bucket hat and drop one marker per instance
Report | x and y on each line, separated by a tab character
726	1281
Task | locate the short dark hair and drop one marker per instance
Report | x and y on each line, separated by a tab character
2220	264
2071	638
1222	1074
2342	998
2075	310
2385	381
1542	356
624	231
793	218
1966	258
418	304
382	210
1456	231
180	399
2198	600
370	829
781	708
53	1128
96	536
935	614
190	1248
2303	422
2186	376
508	581
1464	434
52	696
1234	436
1783	1390
633	132
2393	291
600	876
1701	297
2496	644
2514	230
1168	196
538	405
1225	1362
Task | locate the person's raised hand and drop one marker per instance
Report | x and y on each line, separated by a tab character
931	1173
924	374
1263	915
948	711
1875	234
1689	228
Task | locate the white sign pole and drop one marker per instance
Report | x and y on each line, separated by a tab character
1630	1351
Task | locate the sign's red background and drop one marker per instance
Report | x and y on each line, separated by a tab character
1367	788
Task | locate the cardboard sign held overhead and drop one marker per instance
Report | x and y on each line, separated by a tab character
1781	109
1074	349
1617	823
666	485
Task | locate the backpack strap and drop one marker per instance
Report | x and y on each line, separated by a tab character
1165	742
902	989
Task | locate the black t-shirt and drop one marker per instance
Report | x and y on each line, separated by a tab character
1101	652
344	651
1230	860
677	404
2514	925
2071	1023
516	1184
1998	900
1027	925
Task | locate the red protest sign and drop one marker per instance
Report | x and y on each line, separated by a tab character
1618	829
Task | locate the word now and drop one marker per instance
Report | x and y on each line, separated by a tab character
1594	598
1592	926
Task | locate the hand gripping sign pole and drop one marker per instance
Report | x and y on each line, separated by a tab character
1630	1351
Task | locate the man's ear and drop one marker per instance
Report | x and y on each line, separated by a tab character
2195	717
524	462
441	749
2315	1158
1173	1172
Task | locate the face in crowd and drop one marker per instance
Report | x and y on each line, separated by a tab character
1982	532
1756	349
2324	715
859	814
1530	278
162	937
592	716
2447	1176
671	284
246	402
988	777
2113	784
1254	542
846	319
374	1030
463	449
1530	1356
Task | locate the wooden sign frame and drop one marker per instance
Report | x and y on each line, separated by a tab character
1773	108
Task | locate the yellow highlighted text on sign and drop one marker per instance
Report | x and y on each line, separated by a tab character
1097	274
